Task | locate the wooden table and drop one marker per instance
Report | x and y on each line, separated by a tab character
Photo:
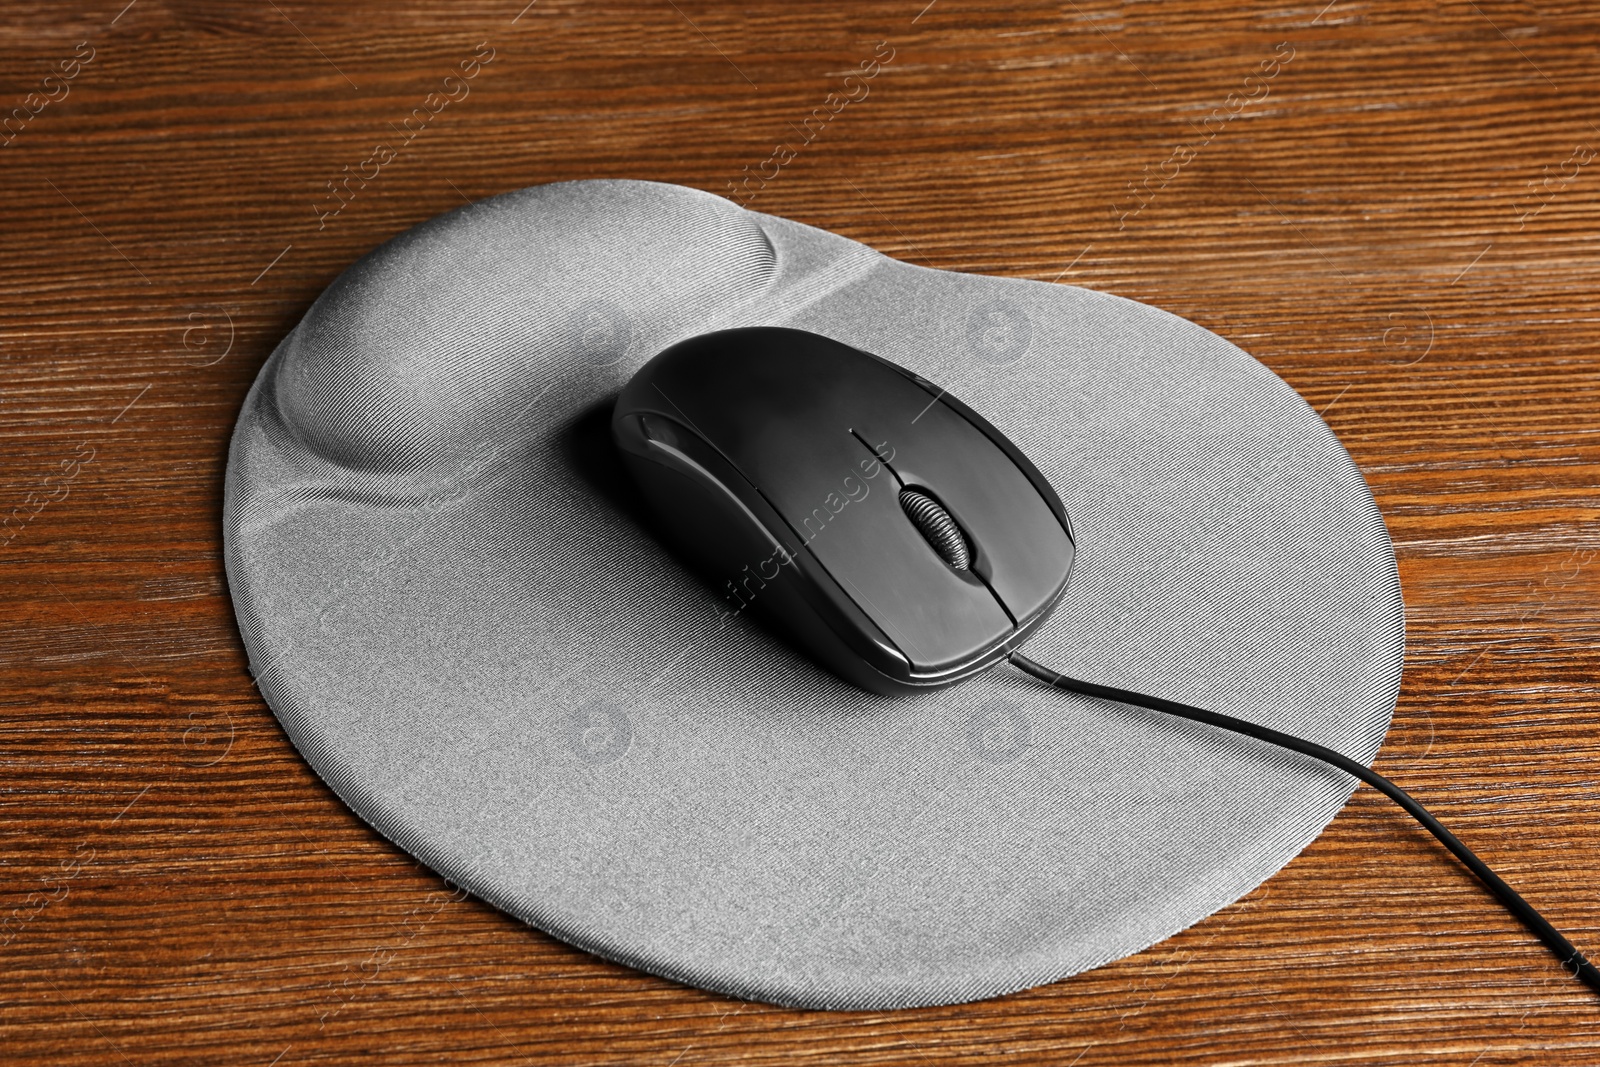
1391	205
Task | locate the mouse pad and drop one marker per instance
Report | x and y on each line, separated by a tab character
452	601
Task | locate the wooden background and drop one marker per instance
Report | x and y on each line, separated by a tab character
1403	226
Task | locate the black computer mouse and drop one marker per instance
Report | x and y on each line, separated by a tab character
885	527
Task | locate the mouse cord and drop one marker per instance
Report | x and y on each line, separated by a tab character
1570	957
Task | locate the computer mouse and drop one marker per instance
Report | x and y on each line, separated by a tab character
883	526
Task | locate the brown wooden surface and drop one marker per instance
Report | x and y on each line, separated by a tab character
178	887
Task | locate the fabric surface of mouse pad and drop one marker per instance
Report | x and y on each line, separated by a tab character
452	601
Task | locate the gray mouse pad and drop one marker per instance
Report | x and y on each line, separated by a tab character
452	602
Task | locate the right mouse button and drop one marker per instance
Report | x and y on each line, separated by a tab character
1021	548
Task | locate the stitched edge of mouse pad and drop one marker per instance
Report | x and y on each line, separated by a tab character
451	601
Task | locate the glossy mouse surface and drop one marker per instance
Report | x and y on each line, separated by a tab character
886	528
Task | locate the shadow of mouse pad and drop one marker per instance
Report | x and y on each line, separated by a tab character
453	604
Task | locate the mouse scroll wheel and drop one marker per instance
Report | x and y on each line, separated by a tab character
937	528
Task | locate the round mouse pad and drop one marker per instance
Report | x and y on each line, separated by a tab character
452	601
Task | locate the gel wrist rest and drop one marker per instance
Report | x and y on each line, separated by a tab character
449	597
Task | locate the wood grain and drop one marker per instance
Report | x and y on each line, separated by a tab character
177	887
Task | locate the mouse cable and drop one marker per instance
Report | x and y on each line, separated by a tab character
1571	959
